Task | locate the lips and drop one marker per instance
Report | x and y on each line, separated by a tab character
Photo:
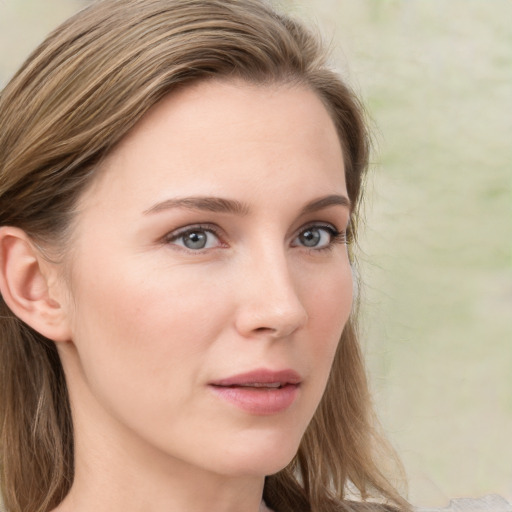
259	392
260	378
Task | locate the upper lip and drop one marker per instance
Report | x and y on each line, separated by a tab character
260	376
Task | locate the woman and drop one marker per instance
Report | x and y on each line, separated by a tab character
179	182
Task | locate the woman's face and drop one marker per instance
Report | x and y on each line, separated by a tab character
209	281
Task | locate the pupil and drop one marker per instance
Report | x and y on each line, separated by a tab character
310	237
195	240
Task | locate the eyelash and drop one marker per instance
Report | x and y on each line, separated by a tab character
336	237
180	233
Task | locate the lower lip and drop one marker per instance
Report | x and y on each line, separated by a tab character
259	401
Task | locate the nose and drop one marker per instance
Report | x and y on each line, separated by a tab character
269	305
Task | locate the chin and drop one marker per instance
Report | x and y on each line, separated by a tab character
256	467
261	457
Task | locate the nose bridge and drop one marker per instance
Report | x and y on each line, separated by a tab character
271	301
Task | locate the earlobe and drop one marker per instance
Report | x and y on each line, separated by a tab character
24	285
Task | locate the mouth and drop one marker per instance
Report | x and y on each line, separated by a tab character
260	385
261	392
261	378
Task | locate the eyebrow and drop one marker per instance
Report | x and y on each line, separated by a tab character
210	204
325	202
221	205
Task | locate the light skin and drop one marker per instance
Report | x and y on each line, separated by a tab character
210	243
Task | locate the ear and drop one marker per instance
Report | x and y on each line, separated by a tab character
27	285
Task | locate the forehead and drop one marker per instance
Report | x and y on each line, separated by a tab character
213	134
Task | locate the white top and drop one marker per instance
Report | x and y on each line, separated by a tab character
489	503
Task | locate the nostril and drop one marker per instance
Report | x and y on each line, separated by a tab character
264	329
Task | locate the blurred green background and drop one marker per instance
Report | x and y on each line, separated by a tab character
436	76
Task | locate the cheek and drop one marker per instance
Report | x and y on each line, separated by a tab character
135	299
138	334
329	297
329	304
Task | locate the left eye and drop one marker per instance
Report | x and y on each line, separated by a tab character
317	237
195	239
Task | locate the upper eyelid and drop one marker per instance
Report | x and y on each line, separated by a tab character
318	224
176	233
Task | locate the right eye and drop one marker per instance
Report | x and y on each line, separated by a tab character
195	238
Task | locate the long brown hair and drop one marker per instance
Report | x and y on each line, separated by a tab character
75	97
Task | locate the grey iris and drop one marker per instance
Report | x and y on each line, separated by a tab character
195	240
310	237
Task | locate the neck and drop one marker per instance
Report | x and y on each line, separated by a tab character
128	484
117	471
